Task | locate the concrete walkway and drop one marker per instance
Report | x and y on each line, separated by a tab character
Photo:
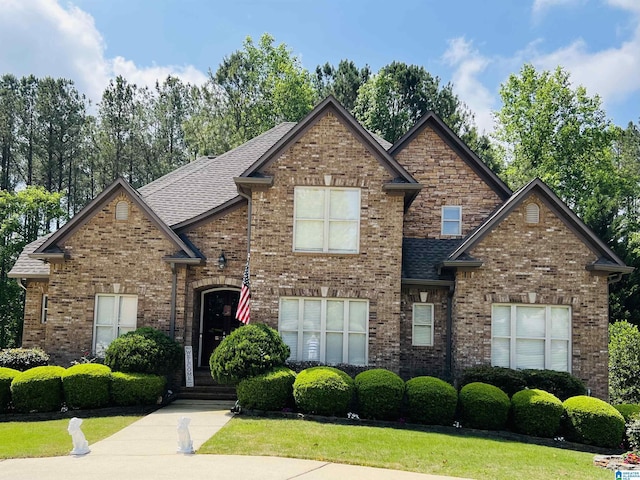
147	450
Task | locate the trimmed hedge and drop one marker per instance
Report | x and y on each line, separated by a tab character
272	390
431	401
38	389
6	377
536	412
594	422
508	380
136	388
379	394
145	350
23	359
323	390
87	385
484	406
248	351
628	410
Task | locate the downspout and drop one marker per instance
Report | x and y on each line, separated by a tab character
174	293
22	284
248	198
614	278
449	334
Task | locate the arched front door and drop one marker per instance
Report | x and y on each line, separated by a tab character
217	319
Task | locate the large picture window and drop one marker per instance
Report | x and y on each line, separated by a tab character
326	220
114	316
325	330
531	336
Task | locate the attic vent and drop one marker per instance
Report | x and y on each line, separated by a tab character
122	210
532	213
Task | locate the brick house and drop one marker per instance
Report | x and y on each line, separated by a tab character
414	257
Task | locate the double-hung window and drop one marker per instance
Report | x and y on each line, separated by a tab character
531	336
452	220
327	330
326	219
114	316
422	328
45	308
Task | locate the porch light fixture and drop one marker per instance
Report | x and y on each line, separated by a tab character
222	261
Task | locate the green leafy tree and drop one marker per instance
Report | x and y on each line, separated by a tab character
624	363
9	99
342	82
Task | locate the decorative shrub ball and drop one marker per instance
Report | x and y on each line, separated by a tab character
628	410
536	412
136	388
38	389
592	421
249	351
484	406
561	384
6	377
431	401
87	385
323	390
379	393
272	390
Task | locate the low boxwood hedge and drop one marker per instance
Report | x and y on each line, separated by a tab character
536	412
272	390
431	401
628	410
87	385
136	388
323	390
561	384
593	421
379	394
484	406
38	389
6	377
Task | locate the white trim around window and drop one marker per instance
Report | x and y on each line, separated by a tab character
326	220
44	308
422	325
114	315
451	220
531	336
326	330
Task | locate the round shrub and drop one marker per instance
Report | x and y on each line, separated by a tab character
536	412
628	410
272	390
594	422
86	385
561	384
379	393
6	377
136	388
23	359
323	390
506	379
249	351
145	350
431	401
38	389
484	406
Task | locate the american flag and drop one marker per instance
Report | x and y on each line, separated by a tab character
243	313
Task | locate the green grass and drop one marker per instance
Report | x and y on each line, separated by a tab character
50	438
424	452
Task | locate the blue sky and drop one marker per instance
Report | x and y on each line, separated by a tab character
474	44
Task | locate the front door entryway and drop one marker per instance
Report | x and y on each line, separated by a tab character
217	320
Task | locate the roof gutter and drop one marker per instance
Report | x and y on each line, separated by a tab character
427	283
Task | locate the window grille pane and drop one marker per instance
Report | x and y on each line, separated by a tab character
309	235
105	306
529	354
335	315
311	346
128	312
334	348
291	339
344	205
422	314
357	349
422	335
501	324
451	228
104	336
530	322
560	355
451	213
311	315
500	352
358	317
309	203
289	315
343	236
560	322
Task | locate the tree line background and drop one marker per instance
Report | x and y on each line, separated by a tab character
58	151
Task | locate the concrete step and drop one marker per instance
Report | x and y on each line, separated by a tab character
208	392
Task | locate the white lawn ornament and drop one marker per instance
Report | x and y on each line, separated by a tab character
185	445
80	444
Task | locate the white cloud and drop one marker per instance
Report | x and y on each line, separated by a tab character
540	6
468	64
43	38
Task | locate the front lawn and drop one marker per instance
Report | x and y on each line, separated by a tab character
50	438
424	452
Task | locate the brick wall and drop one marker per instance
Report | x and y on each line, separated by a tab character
330	148
447	180
546	260
33	330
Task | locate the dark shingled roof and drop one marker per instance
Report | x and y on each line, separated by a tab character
421	257
26	267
